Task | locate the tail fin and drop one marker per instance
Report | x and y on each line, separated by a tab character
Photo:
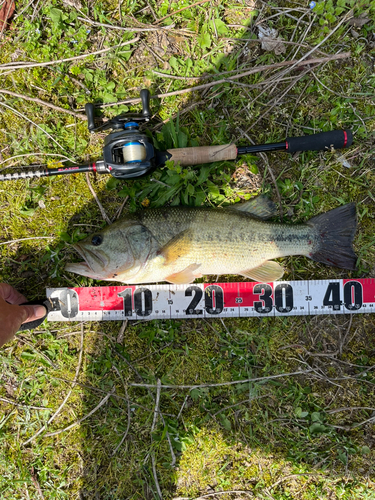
335	232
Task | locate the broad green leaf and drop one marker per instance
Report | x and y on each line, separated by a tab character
225	422
182	139
204	40
173	63
317	428
204	172
55	15
199	198
221	27
315	417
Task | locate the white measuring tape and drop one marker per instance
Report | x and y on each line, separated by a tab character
213	300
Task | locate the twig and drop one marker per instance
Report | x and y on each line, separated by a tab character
221	384
290	476
32	154
23	65
156	414
135	30
276	101
252	71
77	422
345	18
66	397
103	212
353	96
120	336
117	216
157	400
208	495
27	407
156	476
182	406
150	393
349	408
36	483
179	113
44	103
46	358
129	411
35	124
24	239
342	343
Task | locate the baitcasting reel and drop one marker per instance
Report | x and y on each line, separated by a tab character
127	152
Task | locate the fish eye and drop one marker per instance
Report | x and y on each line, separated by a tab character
97	240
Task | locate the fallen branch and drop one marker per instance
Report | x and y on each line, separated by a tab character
66	397
257	69
44	103
24	65
221	384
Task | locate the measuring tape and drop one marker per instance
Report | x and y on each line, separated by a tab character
212	300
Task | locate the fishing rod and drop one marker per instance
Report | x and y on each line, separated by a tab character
128	152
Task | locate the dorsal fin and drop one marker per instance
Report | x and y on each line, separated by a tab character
260	207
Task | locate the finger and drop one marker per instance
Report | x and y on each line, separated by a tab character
11	295
31	313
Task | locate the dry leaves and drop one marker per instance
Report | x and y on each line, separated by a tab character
270	40
360	21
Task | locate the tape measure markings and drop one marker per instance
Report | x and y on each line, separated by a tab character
220	300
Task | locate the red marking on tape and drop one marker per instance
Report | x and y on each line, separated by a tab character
368	288
345	138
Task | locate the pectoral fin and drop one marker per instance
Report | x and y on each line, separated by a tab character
260	207
185	276
269	271
177	247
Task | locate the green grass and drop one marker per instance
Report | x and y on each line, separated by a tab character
306	436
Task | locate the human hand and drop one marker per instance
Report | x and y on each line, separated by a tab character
12	315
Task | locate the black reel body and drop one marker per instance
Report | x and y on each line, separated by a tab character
127	152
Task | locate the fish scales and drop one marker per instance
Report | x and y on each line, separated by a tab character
180	244
225	241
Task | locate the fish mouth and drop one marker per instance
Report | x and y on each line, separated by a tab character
91	260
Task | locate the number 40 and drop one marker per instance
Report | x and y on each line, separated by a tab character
353	296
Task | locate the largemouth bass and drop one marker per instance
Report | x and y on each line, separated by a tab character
180	244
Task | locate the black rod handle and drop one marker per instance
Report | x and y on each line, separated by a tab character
324	141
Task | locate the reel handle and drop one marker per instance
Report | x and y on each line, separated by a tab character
89	109
145	98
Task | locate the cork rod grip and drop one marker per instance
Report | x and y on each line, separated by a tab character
204	154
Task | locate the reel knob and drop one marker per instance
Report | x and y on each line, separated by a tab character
145	98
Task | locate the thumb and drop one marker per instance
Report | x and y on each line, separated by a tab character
32	313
